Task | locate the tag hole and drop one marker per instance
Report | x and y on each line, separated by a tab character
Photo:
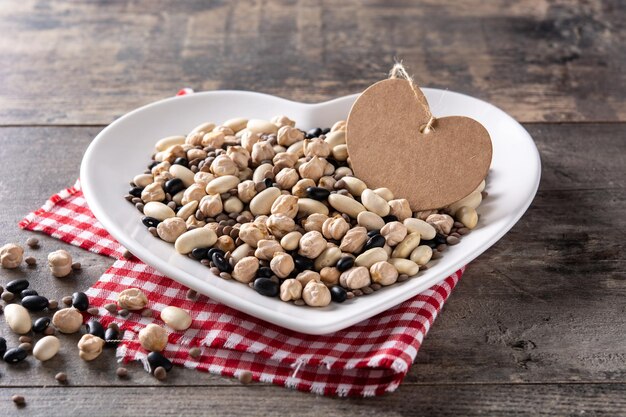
425	129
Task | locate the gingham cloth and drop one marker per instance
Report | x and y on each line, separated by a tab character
369	358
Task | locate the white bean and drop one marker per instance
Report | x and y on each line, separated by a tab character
375	203
169	141
421	255
354	186
17	318
196	238
405	266
46	348
222	184
370	257
384	193
185	174
369	220
346	205
158	210
307	206
261	126
473	200
187	210
262	202
176	318
404	248
426	231
142	180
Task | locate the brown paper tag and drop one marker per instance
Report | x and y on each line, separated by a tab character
387	148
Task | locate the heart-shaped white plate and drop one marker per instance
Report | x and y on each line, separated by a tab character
123	150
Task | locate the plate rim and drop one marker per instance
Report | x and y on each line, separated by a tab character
247	307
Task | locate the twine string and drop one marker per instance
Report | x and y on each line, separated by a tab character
398	71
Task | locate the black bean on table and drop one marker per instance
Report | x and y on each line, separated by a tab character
95	328
3	345
34	302
266	286
338	294
302	263
135	191
174	186
149	221
155	359
345	263
27	292
14	355
41	324
317	193
376	241
326	130
17	286
182	161
222	264
80	301
111	336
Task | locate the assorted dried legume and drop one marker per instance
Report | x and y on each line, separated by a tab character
278	208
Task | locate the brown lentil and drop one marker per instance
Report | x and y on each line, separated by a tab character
160	373
146	312
245	377
19	400
25	339
121	372
76	266
111	308
67	300
94	311
61	377
32	242
195	352
30	261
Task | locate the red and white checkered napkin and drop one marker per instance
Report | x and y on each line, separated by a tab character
367	359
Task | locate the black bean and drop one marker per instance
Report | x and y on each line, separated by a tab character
326	130
302	263
41	324
338	294
373	233
376	241
264	272
440	239
182	161
199	253
214	250
221	263
430	243
345	263
110	336
390	218
95	328
135	191
174	186
266	286
313	133
268	182
317	193
14	355
149	221
155	359
153	164
17	286
3	345
27	292
80	301
34	302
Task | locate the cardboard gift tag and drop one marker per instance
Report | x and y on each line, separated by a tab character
394	142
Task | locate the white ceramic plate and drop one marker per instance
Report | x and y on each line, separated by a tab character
123	150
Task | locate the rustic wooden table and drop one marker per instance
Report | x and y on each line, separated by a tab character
537	324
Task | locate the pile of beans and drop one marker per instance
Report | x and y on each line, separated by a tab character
277	208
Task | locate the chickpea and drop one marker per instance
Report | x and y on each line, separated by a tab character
282	264
290	289
245	270
312	244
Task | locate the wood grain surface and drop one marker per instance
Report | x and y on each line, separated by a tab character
88	62
536	325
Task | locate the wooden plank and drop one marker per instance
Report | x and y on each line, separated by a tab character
540	306
254	400
64	62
